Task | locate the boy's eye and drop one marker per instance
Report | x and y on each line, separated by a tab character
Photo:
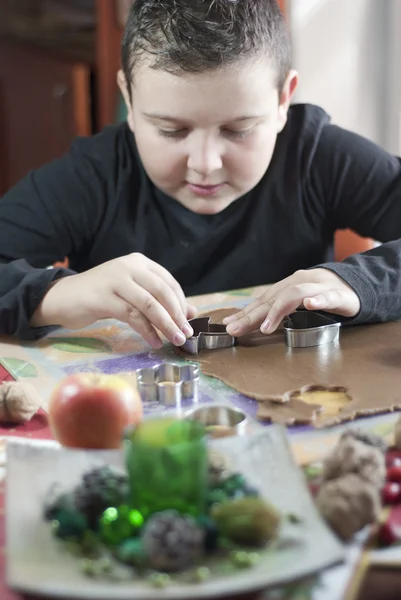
172	133
238	134
178	133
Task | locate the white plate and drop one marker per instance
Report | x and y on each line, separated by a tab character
36	565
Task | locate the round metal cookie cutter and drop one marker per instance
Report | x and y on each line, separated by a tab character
220	420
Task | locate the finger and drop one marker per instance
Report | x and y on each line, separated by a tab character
142	301
289	300
328	301
247	310
157	287
342	302
192	311
234	317
263	298
248	320
128	314
171	281
268	310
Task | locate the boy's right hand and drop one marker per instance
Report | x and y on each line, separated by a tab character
132	289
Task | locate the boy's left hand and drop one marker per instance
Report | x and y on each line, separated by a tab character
315	289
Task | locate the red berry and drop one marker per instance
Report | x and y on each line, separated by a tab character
389	534
391	493
394	474
314	488
393	458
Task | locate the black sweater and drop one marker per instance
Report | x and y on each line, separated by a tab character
97	203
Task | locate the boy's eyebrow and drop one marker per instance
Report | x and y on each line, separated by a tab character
162	117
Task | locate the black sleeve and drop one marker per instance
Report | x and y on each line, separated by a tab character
52	213
360	186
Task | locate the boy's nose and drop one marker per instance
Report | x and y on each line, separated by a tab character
205	158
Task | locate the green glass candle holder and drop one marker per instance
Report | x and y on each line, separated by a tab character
167	466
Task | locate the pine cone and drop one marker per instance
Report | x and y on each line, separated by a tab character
100	488
172	541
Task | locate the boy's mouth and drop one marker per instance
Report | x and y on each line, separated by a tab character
204	190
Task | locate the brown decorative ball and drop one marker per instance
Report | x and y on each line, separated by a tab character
348	504
353	456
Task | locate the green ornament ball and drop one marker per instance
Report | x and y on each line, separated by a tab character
119	524
69	524
249	521
131	552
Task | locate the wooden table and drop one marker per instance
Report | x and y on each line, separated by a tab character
108	347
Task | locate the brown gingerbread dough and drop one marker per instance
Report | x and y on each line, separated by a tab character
364	368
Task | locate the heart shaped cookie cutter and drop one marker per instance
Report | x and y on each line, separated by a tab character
208	336
168	383
304	329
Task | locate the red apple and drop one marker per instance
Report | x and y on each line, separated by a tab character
91	410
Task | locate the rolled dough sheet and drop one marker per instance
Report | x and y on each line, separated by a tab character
364	369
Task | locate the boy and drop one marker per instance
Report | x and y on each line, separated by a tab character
214	183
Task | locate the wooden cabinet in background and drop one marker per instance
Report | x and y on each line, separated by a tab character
44	105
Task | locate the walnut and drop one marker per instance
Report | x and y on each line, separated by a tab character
19	401
367	438
220	466
352	456
348	504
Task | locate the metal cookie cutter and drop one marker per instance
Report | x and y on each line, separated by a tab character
220	420
303	329
168	383
208	336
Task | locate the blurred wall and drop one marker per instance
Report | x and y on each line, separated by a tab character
347	53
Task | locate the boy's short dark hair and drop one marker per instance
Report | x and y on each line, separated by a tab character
200	35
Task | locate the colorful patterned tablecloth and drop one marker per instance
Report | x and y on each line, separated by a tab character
112	347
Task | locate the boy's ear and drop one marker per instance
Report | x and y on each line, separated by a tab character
122	84
286	95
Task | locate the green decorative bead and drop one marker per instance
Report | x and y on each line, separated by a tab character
119	524
313	471
254	558
131	552
244	560
73	547
294	519
55	525
104	565
234	482
88	567
91	544
159	580
201	574
216	496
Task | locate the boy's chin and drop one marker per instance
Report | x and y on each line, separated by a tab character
203	206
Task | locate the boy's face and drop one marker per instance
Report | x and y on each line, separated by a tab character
207	139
